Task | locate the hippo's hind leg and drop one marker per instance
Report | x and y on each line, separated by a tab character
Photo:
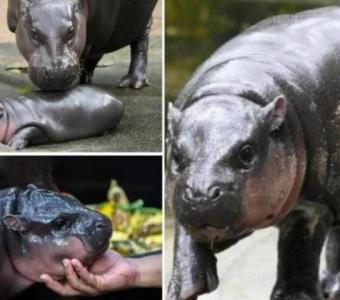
27	136
194	271
302	236
137	77
87	69
330	279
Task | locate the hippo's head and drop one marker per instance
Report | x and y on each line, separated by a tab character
51	36
231	166
47	227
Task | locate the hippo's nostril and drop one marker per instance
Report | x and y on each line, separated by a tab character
45	72
100	226
215	192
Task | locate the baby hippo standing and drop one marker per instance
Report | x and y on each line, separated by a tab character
254	141
40	228
64	39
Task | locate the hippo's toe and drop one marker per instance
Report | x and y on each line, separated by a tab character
330	284
134	81
190	290
18	144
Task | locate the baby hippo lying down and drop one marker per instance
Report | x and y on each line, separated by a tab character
40	228
43	117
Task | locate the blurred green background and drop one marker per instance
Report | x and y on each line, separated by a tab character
195	28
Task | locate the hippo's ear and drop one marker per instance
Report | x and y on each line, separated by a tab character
15	223
174	115
275	112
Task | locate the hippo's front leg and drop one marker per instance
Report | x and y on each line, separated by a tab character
137	77
88	67
330	281
27	136
194	271
302	236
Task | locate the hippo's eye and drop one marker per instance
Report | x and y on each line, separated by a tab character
35	35
180	161
178	158
70	34
60	223
175	156
247	156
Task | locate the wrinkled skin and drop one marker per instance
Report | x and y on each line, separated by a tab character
253	142
63	41
39	229
84	111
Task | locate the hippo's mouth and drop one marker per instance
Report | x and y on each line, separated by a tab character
211	234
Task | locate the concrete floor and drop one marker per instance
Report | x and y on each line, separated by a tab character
247	271
141	128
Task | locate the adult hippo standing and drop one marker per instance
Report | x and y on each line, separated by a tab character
63	40
254	141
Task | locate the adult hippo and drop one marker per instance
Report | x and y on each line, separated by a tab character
44	117
254	141
64	39
40	228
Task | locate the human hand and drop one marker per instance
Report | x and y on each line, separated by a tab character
110	272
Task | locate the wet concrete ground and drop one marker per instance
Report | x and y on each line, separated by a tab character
247	271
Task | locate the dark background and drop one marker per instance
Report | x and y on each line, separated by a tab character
88	178
196	28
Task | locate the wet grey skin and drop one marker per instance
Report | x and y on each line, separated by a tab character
38	229
253	141
64	40
43	117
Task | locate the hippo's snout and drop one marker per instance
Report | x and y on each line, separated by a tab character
55	78
208	204
54	73
200	197
100	234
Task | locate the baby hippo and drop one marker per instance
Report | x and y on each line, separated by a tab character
39	229
43	117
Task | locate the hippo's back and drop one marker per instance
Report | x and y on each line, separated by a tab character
114	24
289	47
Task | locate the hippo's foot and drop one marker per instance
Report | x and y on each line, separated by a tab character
190	290
18	144
27	136
330	284
134	81
282	295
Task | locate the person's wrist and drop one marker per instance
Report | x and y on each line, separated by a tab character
135	277
147	271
